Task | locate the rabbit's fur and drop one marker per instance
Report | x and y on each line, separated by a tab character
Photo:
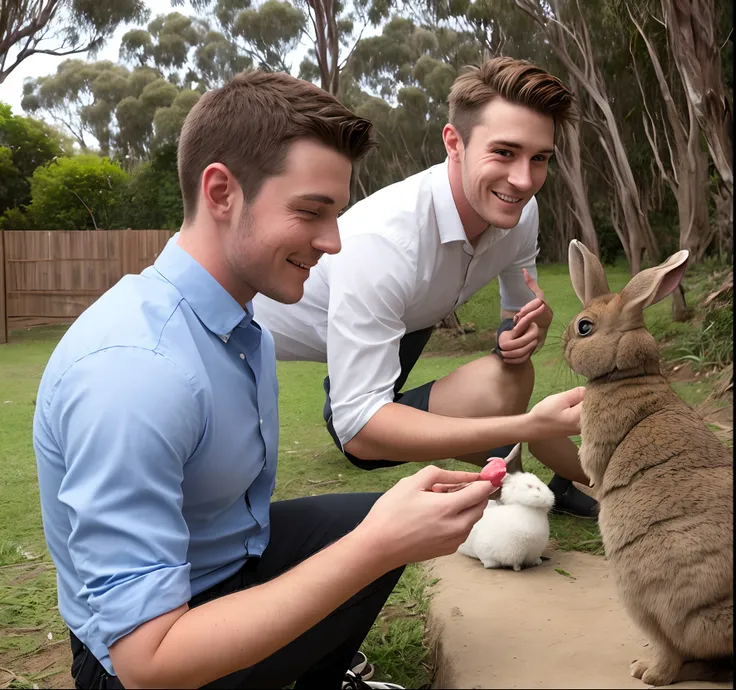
514	530
663	479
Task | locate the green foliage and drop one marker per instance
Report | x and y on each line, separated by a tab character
25	144
151	197
271	32
83	96
400	78
78	193
711	344
62	28
130	113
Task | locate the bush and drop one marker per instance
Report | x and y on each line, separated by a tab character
151	197
78	193
709	342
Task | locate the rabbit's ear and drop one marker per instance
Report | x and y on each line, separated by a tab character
654	284
515	454
587	274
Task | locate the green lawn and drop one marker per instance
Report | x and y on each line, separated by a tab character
308	464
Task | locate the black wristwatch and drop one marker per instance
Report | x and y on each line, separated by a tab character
506	325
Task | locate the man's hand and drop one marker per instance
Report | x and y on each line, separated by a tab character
532	322
419	518
560	413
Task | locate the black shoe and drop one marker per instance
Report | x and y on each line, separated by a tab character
574	502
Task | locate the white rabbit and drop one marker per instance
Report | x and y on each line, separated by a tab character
515	529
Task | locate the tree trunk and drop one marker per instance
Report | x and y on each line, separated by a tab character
635	231
723	220
452	323
688	175
326	43
679	306
571	169
695	50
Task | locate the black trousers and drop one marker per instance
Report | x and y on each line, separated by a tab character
320	657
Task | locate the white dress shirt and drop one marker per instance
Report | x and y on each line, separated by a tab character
405	264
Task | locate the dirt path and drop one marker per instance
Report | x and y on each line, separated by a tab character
558	625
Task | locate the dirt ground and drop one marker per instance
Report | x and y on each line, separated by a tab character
46	667
558	625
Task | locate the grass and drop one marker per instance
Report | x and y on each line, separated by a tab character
308	464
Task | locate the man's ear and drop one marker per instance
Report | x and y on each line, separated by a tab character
453	143
219	191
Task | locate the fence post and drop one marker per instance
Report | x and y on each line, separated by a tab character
3	293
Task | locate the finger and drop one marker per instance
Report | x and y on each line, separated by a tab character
532	284
448	488
522	355
522	325
431	474
529	306
531	316
471	515
472	495
574	396
522	341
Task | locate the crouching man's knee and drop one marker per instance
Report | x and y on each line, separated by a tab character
517	383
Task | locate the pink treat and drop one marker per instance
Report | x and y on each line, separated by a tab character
494	471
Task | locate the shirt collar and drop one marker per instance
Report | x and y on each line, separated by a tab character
214	306
448	219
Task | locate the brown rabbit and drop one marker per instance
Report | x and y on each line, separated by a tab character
664	481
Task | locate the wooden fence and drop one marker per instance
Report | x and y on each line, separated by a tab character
52	276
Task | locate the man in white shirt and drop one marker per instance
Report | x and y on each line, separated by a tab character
411	254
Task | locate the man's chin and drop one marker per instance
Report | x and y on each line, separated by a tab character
504	221
285	296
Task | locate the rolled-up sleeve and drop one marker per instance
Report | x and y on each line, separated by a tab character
514	291
126	420
370	284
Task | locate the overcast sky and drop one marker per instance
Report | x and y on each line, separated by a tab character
11	91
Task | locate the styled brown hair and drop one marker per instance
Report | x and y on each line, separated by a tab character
249	124
516	81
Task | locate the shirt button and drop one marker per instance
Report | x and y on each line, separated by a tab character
260	421
242	356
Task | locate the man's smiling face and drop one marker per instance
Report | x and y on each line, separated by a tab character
291	223
505	162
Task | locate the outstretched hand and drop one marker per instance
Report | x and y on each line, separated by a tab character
559	414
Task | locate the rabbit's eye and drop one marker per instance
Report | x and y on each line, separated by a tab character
585	327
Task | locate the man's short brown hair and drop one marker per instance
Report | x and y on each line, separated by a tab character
516	81
249	124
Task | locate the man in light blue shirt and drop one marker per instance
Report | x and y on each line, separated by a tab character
183	504
156	432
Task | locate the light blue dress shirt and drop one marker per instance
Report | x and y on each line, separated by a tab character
156	439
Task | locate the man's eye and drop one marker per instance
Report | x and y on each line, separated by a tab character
313	214
503	152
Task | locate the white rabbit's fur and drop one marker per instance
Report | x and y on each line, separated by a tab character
515	529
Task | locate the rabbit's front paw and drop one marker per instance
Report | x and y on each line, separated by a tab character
653	672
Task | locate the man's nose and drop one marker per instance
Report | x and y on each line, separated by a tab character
521	176
328	240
